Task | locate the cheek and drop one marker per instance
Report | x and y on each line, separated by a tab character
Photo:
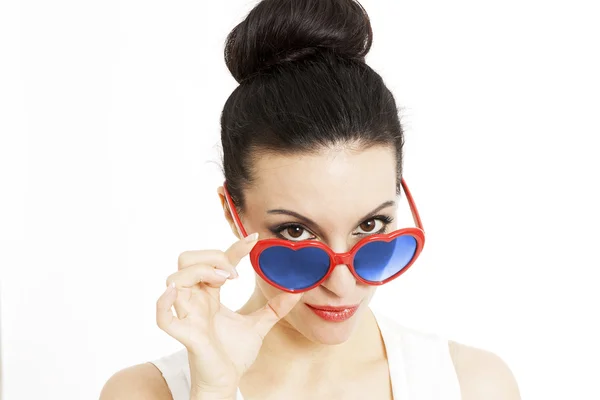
369	292
267	290
270	292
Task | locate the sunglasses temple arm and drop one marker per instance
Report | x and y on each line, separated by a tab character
234	215
238	224
413	207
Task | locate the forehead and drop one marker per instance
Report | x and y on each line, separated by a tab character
331	180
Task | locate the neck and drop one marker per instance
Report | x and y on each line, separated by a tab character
285	342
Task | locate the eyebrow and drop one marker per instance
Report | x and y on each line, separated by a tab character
308	221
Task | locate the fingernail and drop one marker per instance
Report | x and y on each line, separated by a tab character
251	238
222	273
235	273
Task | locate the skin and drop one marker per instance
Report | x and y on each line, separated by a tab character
334	187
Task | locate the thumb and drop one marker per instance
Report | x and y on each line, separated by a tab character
275	309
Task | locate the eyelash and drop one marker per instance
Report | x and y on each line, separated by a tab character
386	219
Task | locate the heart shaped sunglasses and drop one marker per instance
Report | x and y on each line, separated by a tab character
300	266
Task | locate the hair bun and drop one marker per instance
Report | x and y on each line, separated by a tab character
278	31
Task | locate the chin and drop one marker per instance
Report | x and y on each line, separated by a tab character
323	328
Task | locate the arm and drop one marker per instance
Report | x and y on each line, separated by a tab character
140	382
483	375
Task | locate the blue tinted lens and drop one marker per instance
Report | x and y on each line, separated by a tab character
294	269
377	261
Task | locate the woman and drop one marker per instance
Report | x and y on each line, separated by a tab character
312	155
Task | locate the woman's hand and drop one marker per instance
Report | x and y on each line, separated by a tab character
221	344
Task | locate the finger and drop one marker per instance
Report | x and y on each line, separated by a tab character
199	273
275	309
215	258
202	280
164	315
181	304
187	299
241	249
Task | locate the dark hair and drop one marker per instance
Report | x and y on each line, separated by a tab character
304	85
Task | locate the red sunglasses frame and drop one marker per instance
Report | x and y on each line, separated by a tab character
335	258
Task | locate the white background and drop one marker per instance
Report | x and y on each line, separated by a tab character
109	122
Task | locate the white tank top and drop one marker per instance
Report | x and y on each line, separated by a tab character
419	363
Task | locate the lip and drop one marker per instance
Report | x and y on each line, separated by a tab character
331	308
333	314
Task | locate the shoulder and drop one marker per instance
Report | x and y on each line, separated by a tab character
143	381
482	374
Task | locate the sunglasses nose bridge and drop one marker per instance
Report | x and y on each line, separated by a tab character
344	258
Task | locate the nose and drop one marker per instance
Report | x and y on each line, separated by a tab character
341	282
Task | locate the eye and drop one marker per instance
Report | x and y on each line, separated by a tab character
374	225
370	226
294	233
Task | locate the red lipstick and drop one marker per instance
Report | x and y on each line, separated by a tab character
333	314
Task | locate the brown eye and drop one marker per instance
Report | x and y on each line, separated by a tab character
368	226
294	231
371	226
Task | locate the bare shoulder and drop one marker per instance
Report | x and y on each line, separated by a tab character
482	374
143	381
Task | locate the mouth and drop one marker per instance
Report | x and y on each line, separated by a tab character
334	314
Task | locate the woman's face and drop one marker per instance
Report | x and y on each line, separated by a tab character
340	190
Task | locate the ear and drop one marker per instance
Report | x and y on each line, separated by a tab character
226	211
